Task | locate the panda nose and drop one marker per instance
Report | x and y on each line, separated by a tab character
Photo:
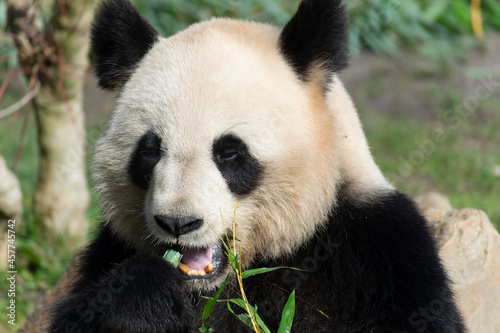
178	225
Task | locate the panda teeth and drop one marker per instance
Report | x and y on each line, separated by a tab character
185	269
195	272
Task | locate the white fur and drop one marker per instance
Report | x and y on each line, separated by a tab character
219	77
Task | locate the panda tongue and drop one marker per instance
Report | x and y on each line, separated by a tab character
197	259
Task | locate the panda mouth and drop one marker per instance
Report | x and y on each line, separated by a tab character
201	263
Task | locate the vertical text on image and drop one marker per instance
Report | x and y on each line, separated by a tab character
11	273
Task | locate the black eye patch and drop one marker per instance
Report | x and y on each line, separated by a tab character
239	168
145	157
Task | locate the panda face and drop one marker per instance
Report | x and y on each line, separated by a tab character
216	124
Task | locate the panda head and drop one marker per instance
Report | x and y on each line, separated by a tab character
227	113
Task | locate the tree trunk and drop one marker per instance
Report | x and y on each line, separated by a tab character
58	58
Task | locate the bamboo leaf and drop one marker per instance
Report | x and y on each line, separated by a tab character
206	329
256	271
287	315
241	304
243	317
211	302
261	323
233	260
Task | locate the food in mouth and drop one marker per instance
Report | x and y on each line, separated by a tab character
195	262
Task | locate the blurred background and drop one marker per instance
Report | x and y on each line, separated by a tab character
424	75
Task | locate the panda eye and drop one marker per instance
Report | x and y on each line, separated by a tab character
239	168
149	148
227	155
147	154
228	149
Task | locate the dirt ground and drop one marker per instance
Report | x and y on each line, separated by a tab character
416	87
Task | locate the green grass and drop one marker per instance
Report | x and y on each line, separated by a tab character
461	166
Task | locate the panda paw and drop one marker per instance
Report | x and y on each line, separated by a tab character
139	295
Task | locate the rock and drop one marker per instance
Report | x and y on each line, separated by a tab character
10	192
470	248
10	206
433	200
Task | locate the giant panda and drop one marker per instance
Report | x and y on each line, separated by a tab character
240	121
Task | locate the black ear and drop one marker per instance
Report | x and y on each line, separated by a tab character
120	38
317	35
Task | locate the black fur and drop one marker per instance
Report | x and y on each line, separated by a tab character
317	35
139	294
106	250
120	38
146	155
374	268
122	292
239	168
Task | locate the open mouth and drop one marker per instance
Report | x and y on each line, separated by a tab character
201	263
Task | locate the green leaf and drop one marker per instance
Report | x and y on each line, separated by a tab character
243	317
435	9
231	237
233	260
287	315
211	302
206	329
261	323
241	304
256	271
